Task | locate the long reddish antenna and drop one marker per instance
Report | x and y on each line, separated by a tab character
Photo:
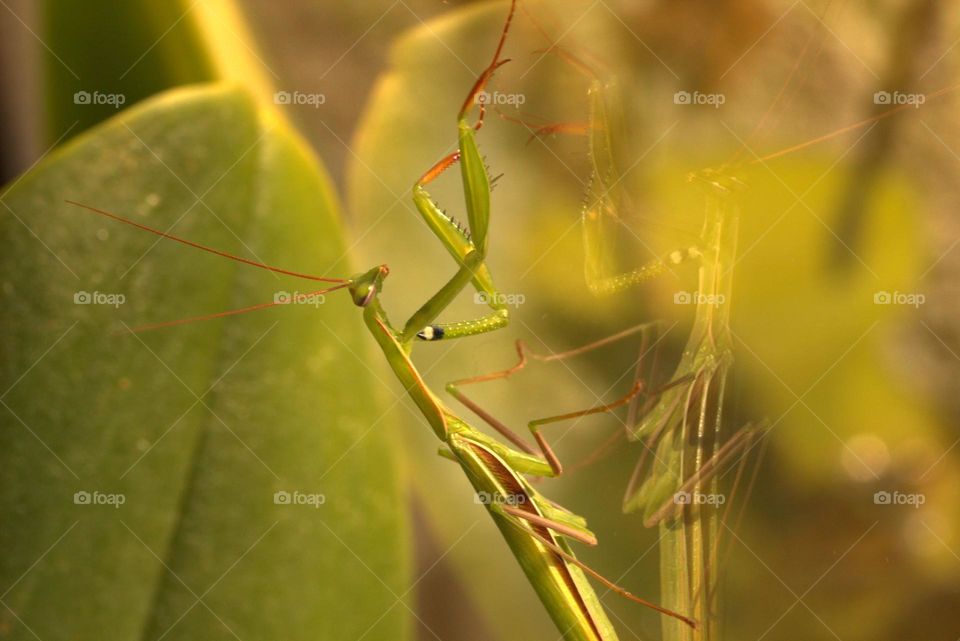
582	66
231	312
544	129
857	125
210	250
782	93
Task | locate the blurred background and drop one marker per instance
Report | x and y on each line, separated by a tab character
844	289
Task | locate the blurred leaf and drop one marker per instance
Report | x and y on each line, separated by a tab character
809	329
101	56
196	427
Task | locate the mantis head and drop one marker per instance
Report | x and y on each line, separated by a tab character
365	287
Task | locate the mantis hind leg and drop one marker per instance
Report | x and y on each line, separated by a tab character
524	356
518	518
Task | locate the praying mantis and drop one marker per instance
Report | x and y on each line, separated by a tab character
537	530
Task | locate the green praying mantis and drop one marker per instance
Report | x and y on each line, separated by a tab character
537	530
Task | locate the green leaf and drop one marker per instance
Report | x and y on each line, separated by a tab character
101	56
197	426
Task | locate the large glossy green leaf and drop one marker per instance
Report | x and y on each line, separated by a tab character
101	56
197	427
